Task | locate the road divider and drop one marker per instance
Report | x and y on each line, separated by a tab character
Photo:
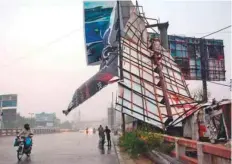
14	132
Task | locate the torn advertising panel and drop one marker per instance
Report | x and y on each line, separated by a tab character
100	18
141	94
94	84
108	53
97	20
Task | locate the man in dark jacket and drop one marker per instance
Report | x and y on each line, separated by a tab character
108	131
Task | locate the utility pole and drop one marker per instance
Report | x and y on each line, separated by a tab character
31	114
79	116
120	61
203	69
1	115
112	112
230	85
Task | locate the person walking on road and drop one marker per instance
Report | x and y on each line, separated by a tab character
101	134
100	131
108	131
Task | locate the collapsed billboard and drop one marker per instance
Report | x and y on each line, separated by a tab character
142	92
186	53
153	88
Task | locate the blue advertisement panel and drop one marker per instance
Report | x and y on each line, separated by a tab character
97	17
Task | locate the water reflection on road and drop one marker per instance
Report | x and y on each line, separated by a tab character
63	148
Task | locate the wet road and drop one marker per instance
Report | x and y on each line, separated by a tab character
62	148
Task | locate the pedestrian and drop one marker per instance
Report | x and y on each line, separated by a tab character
100	131
101	135
108	131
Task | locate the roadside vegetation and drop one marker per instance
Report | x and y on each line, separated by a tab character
139	142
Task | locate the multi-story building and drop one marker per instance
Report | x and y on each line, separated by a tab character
8	109
45	119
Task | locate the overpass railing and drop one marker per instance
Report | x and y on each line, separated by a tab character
207	153
14	132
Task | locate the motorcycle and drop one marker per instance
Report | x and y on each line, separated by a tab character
24	146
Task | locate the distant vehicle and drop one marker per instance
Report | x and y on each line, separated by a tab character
87	130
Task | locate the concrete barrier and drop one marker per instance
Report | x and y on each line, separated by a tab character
14	132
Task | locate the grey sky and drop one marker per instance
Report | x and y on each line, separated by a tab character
46	78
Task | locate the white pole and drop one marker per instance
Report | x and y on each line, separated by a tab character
1	114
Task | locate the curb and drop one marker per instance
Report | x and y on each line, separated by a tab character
117	151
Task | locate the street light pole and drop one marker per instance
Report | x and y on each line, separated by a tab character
31	114
1	116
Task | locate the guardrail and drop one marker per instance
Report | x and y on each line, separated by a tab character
13	132
206	153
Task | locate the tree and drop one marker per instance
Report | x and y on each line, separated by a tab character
20	121
197	94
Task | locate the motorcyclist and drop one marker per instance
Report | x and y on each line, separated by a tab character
26	132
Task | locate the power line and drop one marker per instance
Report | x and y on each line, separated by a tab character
44	46
216	31
200	33
220	84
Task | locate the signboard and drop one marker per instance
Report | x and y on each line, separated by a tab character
93	85
97	21
8	101
101	28
45	117
186	53
49	124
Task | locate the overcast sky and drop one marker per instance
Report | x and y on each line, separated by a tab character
43	55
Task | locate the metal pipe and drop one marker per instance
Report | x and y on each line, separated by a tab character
120	61
163	86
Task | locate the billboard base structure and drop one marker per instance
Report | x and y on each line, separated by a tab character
153	89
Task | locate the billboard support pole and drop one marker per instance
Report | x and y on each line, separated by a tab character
203	70
120	61
164	43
